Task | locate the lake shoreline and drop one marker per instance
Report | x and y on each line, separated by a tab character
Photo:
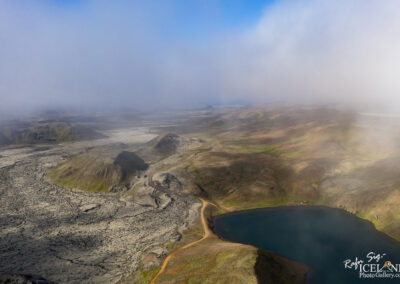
295	206
243	227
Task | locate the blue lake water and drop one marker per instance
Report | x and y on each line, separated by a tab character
320	237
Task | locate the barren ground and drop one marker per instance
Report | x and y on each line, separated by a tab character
74	236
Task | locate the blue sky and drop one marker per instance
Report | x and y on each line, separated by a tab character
193	18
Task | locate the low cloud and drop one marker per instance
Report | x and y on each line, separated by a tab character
320	51
121	53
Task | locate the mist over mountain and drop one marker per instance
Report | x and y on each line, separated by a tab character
109	54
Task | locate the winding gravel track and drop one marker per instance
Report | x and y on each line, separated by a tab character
206	234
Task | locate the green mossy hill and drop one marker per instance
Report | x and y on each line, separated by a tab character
248	177
160	147
95	170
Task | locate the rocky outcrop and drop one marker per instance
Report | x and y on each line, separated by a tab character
168	181
129	163
23	279
145	196
167	144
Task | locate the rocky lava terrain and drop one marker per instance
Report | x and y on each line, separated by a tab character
72	236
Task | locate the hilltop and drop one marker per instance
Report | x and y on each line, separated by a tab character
100	169
264	156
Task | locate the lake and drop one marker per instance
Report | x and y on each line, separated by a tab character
320	237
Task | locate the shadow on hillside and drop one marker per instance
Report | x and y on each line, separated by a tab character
270	268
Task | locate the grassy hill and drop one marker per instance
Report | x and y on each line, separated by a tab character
262	156
216	261
167	144
99	169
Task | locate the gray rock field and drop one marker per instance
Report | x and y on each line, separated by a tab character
71	236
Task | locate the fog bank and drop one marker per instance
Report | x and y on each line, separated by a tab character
131	54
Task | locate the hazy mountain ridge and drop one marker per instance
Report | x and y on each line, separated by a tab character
45	132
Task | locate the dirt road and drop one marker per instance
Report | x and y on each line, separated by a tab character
207	233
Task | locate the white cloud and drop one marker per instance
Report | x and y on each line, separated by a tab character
114	53
320	51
